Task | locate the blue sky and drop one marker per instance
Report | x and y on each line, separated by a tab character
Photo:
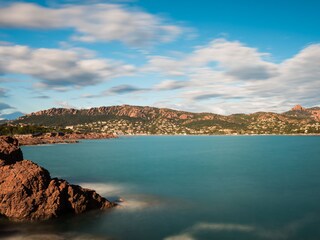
215	56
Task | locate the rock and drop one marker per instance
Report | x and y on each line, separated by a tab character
316	114
183	116
10	151
298	108
27	192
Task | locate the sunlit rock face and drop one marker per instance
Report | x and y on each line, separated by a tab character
28	193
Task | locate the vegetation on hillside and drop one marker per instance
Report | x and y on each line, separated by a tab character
148	120
14	129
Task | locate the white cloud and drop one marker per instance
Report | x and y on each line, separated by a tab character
3	92
231	58
167	66
304	68
60	69
230	77
171	85
64	104
235	59
96	22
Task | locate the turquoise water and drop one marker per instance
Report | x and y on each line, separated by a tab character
190	187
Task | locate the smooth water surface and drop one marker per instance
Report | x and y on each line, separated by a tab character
189	187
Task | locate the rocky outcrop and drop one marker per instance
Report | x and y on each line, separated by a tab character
10	151
316	114
27	192
298	108
55	111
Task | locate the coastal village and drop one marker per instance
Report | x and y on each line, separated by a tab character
69	125
165	127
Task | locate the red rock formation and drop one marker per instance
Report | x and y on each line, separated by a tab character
183	116
10	151
316	114
27	192
208	117
298	108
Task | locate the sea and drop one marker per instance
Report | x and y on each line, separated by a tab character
186	188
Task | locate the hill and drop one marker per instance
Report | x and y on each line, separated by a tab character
128	119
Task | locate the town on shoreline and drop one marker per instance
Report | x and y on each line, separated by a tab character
67	125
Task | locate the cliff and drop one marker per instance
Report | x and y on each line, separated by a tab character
28	193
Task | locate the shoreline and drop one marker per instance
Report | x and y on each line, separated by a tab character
69	138
29	140
163	135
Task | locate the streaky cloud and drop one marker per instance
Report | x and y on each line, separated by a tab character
171	85
102	22
123	89
4	106
60	69
225	76
3	92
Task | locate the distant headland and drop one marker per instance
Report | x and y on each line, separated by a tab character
144	120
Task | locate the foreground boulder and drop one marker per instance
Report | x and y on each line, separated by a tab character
27	192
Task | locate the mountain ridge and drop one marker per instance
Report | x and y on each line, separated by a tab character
152	120
110	109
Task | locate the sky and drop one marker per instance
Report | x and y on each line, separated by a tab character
225	57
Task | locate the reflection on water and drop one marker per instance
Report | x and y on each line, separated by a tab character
286	232
66	236
201	230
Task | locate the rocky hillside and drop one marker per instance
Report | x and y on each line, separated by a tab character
305	113
128	119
